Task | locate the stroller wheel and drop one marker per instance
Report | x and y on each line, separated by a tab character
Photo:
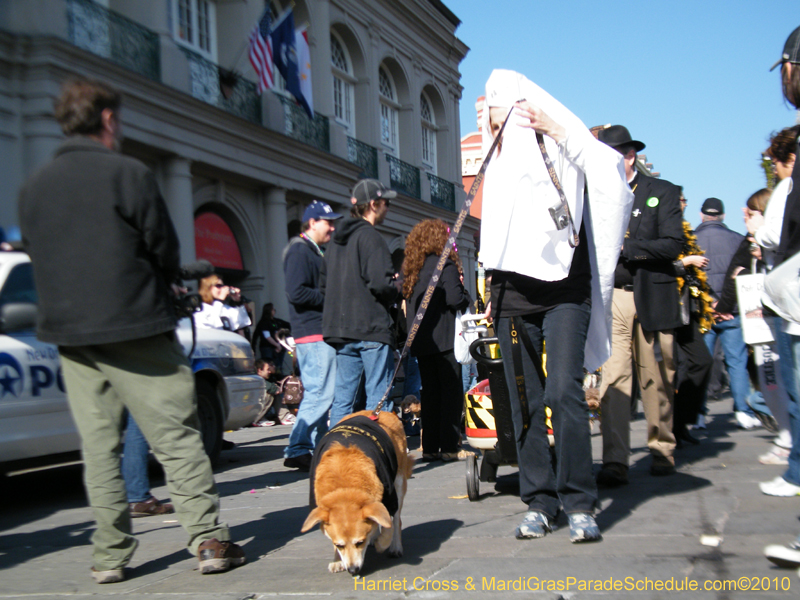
473	483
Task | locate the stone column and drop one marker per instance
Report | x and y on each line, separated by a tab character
276	238
178	196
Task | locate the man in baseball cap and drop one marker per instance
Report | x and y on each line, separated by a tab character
302	263
713	207
359	284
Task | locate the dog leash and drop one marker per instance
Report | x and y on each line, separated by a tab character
434	280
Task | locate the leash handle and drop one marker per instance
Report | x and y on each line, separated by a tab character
434	280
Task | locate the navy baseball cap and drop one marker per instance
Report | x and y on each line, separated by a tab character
320	210
791	49
713	207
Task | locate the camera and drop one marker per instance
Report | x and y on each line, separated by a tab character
186	304
559	215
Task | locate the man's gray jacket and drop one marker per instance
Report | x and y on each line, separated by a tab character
103	247
720	244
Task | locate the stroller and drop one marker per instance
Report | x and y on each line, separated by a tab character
488	424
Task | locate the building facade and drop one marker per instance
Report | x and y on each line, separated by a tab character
237	169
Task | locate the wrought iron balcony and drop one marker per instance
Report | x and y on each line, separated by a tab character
403	177
233	94
110	35
363	155
443	192
298	126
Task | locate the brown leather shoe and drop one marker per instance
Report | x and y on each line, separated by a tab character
150	508
218	557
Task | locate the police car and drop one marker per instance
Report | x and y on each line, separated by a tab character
36	426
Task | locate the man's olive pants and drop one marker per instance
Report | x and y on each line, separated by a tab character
152	378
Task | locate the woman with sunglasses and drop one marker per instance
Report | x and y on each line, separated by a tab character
222	307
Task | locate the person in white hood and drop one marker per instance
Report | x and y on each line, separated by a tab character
545	289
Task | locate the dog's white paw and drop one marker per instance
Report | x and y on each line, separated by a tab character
395	552
336	567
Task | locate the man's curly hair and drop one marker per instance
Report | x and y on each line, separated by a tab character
427	237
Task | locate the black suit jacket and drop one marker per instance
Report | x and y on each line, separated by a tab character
654	240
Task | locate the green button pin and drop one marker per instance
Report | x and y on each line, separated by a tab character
652	202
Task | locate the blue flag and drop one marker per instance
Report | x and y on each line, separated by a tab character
284	54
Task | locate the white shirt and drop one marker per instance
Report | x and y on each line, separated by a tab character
768	236
221	316
517	232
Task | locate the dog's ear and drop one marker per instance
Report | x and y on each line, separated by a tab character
317	515
377	512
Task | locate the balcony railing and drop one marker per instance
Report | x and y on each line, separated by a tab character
363	155
403	177
110	35
298	126
239	97
443	192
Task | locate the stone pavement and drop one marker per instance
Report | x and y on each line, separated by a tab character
652	533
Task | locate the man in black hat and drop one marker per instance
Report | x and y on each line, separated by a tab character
359	284
646	310
720	244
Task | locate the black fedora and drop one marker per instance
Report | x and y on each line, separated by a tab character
618	135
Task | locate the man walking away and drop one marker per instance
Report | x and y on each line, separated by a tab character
360	286
93	207
720	244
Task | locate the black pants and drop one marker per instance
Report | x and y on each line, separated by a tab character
442	402
692	374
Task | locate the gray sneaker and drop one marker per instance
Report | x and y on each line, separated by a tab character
534	525
583	528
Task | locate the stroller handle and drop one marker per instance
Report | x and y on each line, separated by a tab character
482	358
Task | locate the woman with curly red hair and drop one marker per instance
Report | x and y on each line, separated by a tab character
433	345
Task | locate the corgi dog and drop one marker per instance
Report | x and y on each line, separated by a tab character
358	484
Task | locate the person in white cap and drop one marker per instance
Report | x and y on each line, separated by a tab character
552	260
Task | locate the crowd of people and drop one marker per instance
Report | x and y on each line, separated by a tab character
589	261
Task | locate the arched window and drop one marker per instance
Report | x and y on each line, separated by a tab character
389	111
428	121
343	81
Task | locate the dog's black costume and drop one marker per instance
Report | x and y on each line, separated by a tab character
369	437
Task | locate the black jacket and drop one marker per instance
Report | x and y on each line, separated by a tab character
437	331
654	240
720	244
357	281
743	261
103	247
301	267
790	232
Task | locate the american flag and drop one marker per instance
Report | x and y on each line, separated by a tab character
261	53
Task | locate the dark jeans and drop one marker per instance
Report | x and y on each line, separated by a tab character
441	402
572	486
135	456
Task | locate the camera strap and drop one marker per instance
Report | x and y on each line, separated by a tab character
437	272
551	170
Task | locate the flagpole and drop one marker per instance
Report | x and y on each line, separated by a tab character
246	44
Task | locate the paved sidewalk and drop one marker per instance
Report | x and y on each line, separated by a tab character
652	530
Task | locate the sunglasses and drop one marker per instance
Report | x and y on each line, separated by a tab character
220	285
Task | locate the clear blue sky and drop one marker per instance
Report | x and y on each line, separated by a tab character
690	79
